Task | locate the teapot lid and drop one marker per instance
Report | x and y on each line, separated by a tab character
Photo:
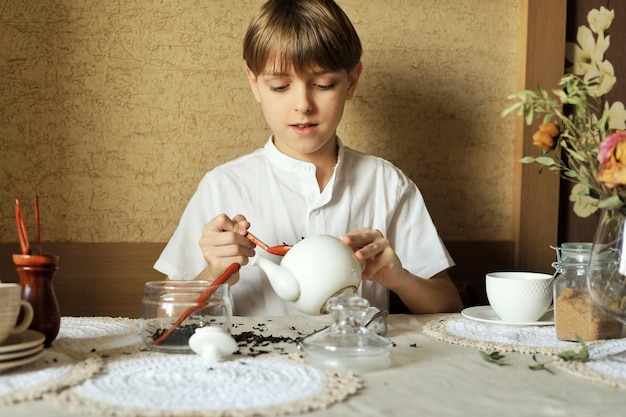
347	343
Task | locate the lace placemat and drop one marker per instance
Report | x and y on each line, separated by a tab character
607	364
463	331
152	384
52	372
103	335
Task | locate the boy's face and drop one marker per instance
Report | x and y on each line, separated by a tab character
303	112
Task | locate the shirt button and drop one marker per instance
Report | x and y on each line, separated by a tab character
306	168
316	212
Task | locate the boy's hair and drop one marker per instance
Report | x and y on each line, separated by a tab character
306	34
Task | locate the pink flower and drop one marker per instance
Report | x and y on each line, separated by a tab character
612	157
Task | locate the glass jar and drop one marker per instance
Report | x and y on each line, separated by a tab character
607	266
575	314
171	311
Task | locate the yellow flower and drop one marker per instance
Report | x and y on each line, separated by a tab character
550	128
545	136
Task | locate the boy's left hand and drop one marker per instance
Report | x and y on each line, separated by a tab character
381	262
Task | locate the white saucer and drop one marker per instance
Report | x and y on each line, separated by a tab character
23	340
19	362
20	353
485	314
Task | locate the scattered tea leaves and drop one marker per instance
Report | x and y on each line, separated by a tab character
569	355
179	337
493	357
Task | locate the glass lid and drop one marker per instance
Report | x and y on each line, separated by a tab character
347	343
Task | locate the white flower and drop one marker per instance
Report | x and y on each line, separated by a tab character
584	206
585	52
607	77
617	115
602	45
600	20
600	78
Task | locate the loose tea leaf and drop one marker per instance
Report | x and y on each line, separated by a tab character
493	357
539	366
581	356
179	337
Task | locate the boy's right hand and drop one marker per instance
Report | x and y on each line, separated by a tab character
223	243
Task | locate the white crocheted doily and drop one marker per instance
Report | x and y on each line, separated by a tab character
607	363
462	331
104	335
54	371
181	385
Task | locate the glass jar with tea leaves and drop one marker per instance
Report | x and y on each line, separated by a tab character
575	314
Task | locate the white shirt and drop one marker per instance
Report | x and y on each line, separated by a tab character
280	197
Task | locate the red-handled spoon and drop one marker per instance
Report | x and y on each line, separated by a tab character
280	250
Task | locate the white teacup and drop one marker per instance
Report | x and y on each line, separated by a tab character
10	305
519	296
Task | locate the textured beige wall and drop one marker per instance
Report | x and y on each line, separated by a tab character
112	111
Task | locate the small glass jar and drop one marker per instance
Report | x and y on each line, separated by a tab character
575	314
197	303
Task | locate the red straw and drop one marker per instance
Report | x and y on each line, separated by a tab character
38	224
21	229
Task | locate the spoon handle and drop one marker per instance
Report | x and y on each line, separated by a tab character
280	250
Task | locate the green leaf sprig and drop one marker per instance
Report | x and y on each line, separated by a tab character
582	355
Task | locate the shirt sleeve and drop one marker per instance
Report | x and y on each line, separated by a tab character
414	235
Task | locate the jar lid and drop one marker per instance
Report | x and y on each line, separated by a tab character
572	253
347	343
578	254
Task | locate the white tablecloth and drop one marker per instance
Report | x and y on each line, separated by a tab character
427	377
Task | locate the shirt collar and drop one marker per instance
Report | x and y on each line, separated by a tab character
295	165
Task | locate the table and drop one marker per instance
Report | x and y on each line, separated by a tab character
427	377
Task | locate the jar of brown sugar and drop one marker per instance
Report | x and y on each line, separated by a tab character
575	314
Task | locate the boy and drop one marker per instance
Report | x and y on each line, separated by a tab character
303	64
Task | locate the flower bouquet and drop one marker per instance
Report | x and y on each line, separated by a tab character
581	135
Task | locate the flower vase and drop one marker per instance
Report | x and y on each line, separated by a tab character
575	313
606	277
35	273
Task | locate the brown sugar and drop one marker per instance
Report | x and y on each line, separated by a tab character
576	315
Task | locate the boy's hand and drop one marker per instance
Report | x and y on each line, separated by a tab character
223	243
381	262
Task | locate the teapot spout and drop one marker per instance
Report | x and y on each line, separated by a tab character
283	281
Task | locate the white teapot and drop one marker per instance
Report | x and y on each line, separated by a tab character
313	271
